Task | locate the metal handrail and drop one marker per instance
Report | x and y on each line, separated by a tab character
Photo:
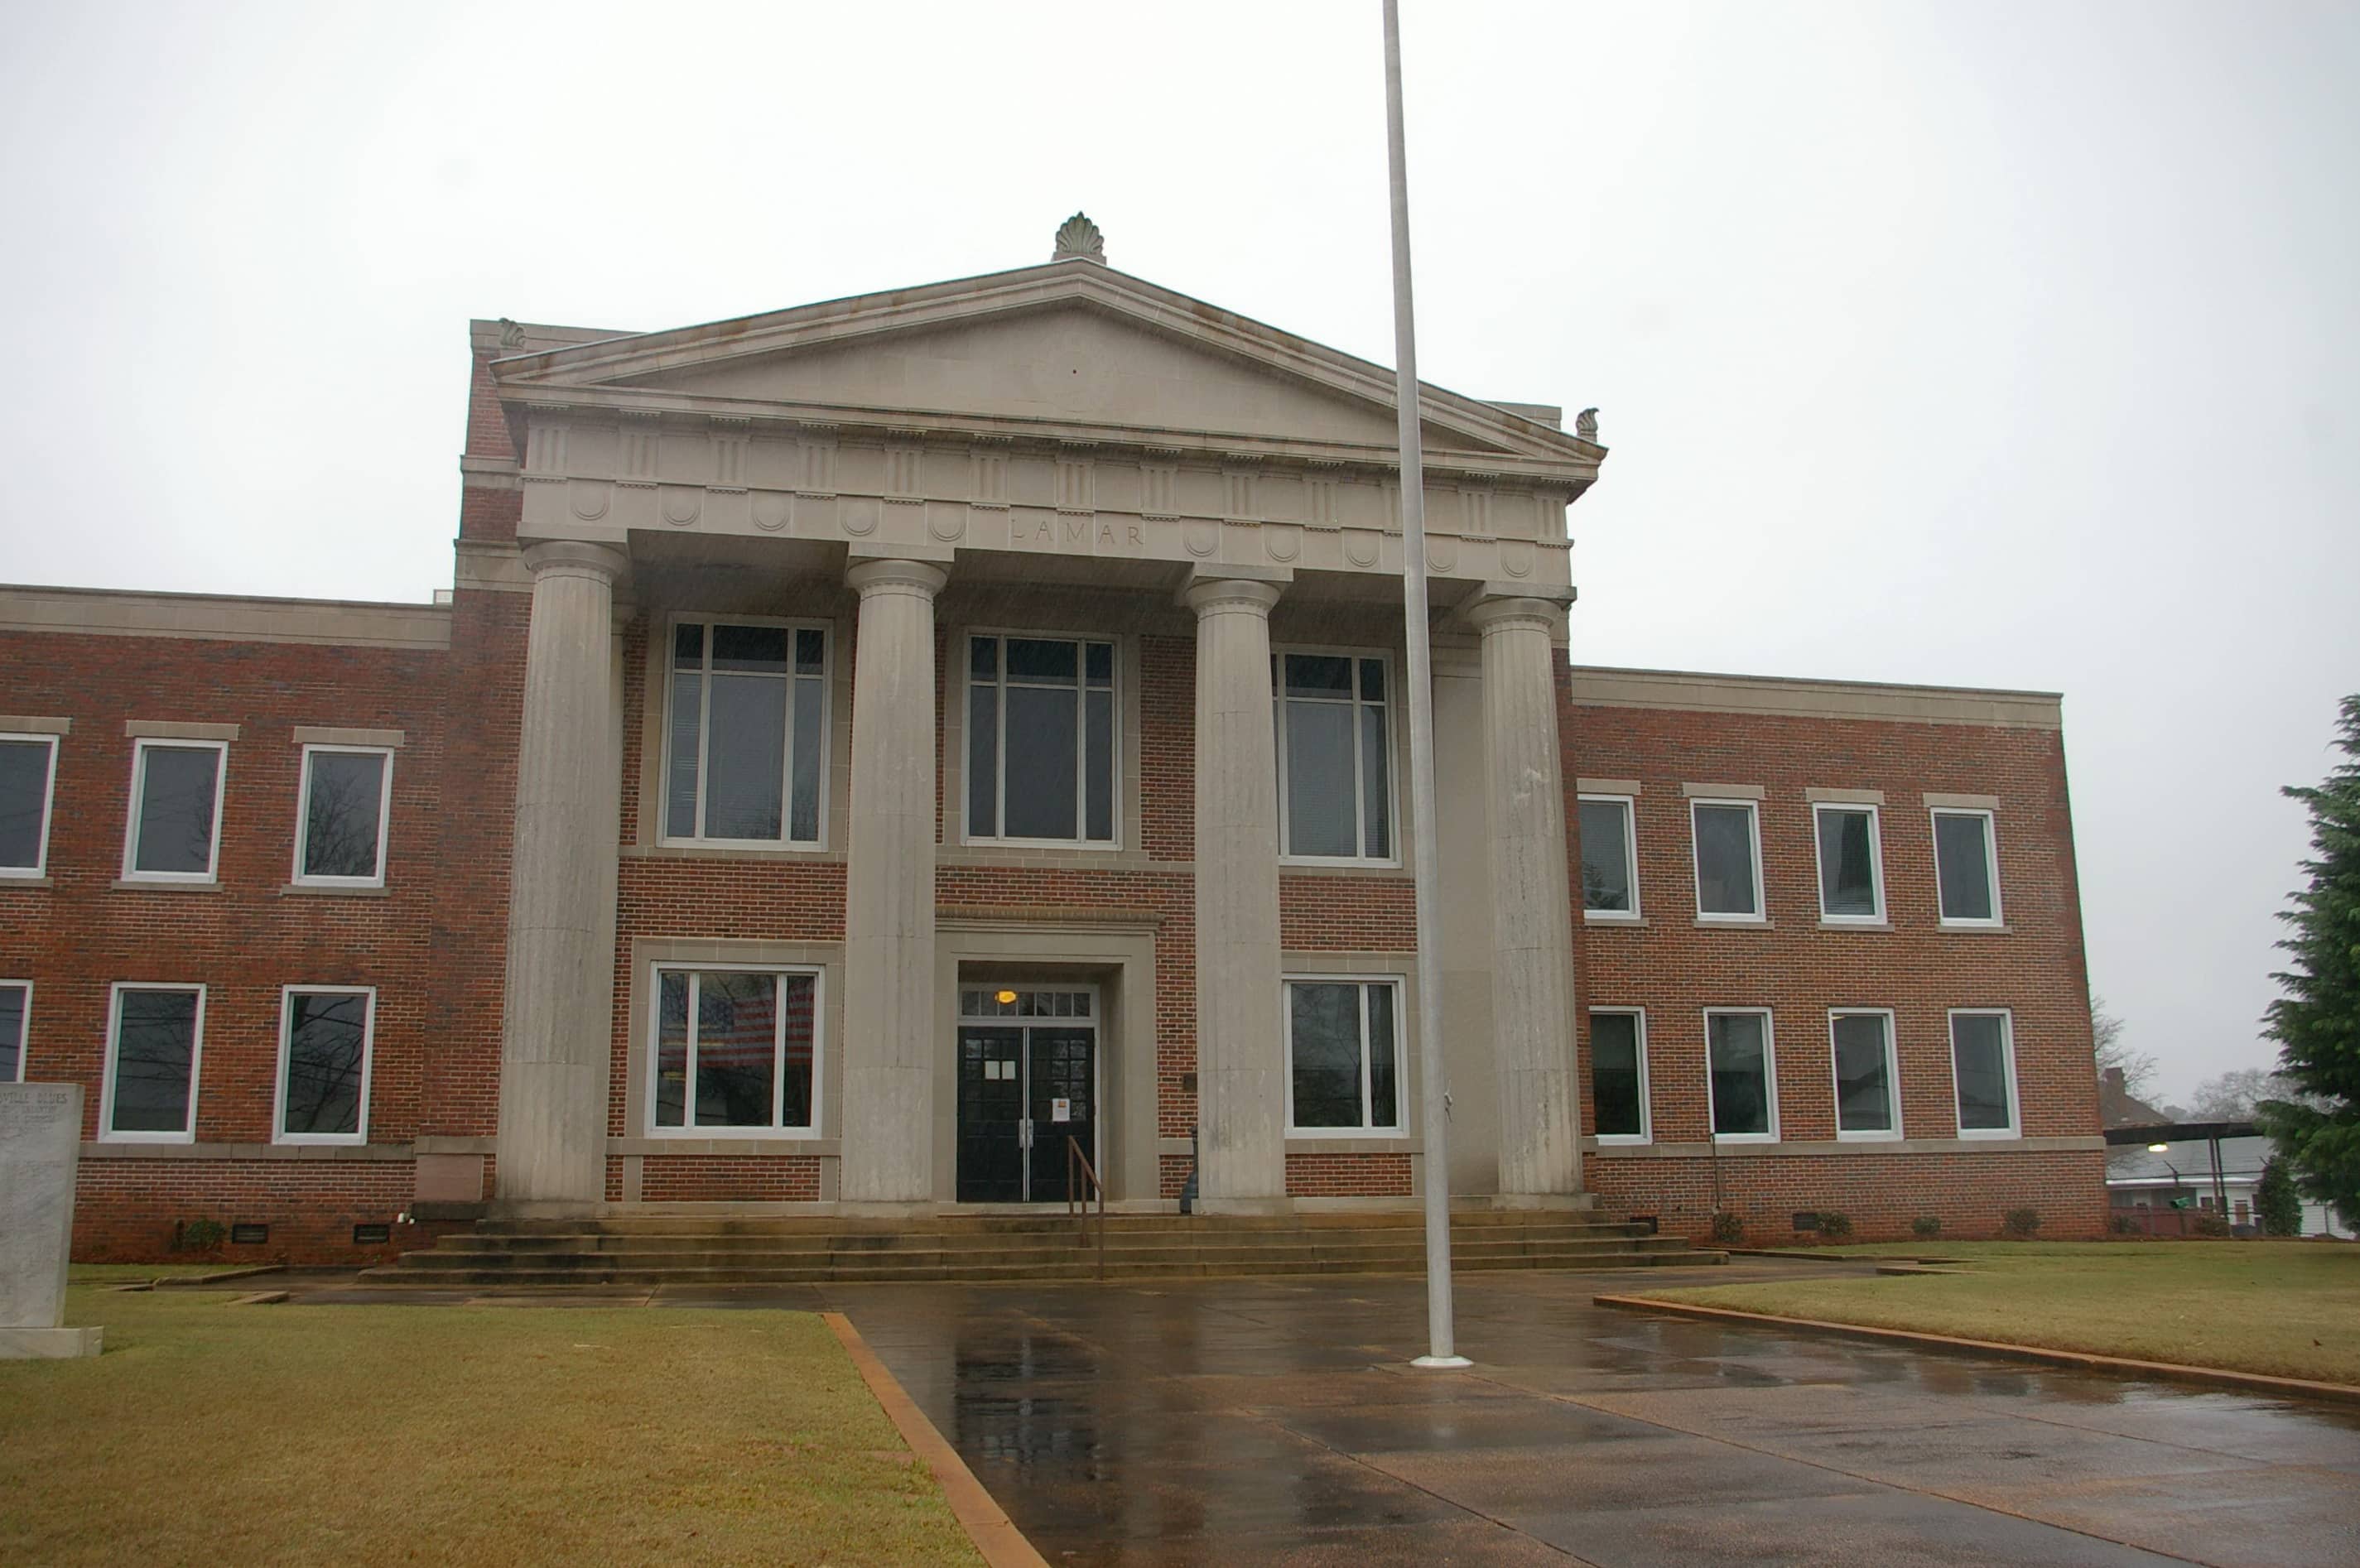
1073	1194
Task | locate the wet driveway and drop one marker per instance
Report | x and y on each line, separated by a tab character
1258	1422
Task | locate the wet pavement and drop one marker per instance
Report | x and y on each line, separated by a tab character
1243	1422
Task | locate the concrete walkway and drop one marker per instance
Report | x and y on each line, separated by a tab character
1266	1422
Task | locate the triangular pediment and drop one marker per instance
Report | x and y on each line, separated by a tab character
1073	348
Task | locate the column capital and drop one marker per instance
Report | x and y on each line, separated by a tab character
1516	612
576	558
1224	595
888	574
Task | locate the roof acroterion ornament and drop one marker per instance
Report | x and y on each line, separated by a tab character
1077	236
1585	424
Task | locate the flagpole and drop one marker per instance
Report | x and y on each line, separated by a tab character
1425	857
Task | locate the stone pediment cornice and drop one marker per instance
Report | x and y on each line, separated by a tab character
597	375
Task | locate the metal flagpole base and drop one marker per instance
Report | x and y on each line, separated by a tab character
1442	1363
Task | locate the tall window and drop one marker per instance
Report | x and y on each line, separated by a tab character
1343	1056
1868	1105
1728	860
324	1064
340	837
176	792
1618	1074
155	1036
1966	869
1335	773
746	740
15	1012
1983	1066
737	1052
1610	861
1741	1077
27	768
1852	880
1040	740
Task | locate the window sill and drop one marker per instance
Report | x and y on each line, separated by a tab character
1733	922
1348	1140
1313	867
1592	918
1826	923
9	881
1977	928
1843	1136
1622	1140
328	890
729	852
147	884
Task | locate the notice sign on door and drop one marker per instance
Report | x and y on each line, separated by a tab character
1061	1110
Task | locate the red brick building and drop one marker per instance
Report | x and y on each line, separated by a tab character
868	745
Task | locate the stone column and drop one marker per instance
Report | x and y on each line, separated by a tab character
889	1038
556	1039
1241	1056
1532	963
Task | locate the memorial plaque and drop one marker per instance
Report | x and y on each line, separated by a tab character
40	1144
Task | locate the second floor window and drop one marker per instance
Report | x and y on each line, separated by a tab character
746	739
176	795
1335	774
341	837
1966	869
1040	740
1609	866
26	765
1728	861
1850	885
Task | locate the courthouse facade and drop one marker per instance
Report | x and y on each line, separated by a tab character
872	749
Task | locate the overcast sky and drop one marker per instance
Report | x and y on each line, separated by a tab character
2008	346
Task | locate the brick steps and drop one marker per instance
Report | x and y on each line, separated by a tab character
808	1250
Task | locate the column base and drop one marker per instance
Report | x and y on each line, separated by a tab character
1539	1201
1245	1205
49	1343
546	1209
892	1208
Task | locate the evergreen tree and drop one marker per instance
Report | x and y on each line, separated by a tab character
2276	1203
2316	1021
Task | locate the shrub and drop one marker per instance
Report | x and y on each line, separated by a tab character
2122	1224
2020	1225
1834	1226
1728	1228
199	1236
2210	1223
2277	1204
1925	1227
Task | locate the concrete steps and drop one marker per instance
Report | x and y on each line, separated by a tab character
768	1249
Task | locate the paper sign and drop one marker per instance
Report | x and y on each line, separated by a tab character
1061	1110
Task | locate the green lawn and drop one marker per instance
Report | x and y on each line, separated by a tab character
2289	1309
213	1433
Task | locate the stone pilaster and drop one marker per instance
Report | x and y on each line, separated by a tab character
1532	964
556	1026
1240	1057
889	1035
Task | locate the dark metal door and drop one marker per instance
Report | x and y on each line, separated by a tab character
990	1116
1063	1099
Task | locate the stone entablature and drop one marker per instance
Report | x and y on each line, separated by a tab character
750	428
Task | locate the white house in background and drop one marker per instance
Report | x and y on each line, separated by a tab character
2142	1177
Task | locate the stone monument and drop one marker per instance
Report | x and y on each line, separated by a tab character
41	1142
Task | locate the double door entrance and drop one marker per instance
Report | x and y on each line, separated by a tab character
1028	1060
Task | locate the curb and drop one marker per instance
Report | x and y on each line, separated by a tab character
985	1522
2080	1360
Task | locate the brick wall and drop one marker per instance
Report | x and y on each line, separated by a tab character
1799	969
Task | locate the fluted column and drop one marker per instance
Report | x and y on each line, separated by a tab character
556	1030
889	1042
1241	1059
1532	963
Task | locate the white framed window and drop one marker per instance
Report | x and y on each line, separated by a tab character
1867	1079
1335	757
28	774
1982	1072
1741	1074
736	1051
1041	740
1966	867
155	1041
1618	1075
1728	844
174	833
15	1028
1610	857
325	1038
746	733
347	806
1852	863
1343	1056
